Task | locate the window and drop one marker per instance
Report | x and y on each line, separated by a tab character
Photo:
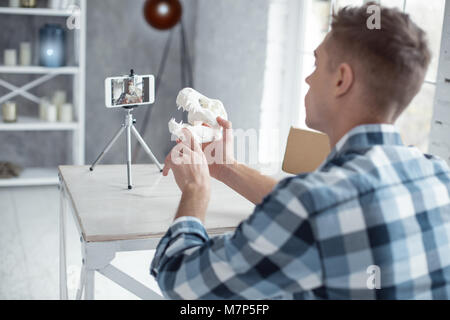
316	27
415	122
271	106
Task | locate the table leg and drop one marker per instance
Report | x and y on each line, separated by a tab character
62	246
129	283
82	283
90	285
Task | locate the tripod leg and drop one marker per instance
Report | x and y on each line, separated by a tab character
130	186
187	57
162	66
108	146
146	148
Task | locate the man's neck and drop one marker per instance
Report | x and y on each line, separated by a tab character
338	131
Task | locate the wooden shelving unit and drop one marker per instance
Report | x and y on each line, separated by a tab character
36	12
32	177
48	176
33	124
38	70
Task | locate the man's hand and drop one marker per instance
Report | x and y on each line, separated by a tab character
220	153
190	168
188	164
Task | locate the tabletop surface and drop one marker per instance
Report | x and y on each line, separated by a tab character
106	210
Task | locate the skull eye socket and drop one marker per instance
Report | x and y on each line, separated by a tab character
203	103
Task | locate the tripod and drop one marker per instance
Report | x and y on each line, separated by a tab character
128	125
187	78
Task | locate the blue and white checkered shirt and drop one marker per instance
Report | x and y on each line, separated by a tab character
373	222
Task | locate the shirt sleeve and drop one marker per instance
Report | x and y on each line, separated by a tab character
272	253
186	218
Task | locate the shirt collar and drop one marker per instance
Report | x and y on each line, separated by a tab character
366	136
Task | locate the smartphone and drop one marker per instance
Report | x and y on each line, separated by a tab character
129	91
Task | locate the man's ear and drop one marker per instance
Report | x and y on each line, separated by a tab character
344	80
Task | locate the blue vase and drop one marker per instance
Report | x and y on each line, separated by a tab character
52	46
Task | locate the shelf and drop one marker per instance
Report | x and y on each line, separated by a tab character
38	70
75	71
36	11
32	177
34	124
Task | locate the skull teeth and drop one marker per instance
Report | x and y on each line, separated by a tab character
183	107
200	110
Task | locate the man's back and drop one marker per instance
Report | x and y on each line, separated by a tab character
380	216
376	214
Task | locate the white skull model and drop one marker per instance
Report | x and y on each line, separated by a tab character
201	110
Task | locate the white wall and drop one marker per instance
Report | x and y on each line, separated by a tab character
230	56
440	132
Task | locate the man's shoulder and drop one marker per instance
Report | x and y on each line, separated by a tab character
384	165
316	191
350	176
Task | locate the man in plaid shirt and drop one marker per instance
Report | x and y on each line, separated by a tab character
372	222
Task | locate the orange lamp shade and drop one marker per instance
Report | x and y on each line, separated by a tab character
162	14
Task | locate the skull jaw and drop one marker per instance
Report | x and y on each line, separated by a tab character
201	110
200	133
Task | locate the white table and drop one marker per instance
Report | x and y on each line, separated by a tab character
110	218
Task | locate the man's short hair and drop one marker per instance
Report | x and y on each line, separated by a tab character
391	61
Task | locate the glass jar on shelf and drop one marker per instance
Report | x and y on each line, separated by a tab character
52	46
9	112
28	3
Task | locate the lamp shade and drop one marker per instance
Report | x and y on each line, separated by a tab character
162	14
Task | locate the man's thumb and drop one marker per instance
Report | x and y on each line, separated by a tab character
224	123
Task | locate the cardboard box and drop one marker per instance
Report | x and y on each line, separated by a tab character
305	151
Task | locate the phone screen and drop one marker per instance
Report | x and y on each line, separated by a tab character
131	91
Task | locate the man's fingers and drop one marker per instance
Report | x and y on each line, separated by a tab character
166	168
224	123
227	129
190	140
180	154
